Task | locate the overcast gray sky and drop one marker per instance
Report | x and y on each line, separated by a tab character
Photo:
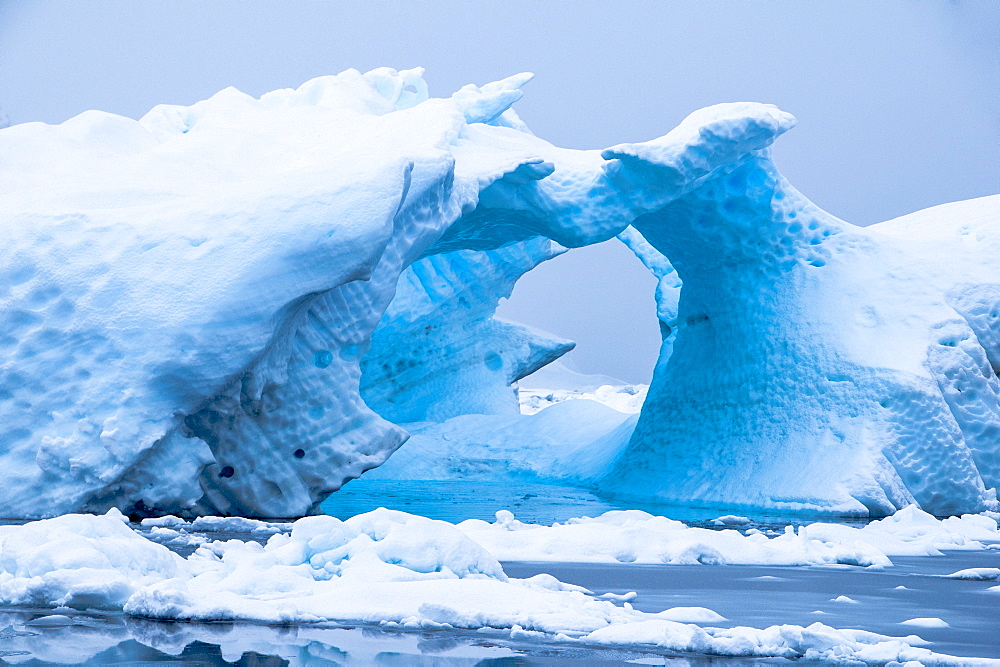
898	101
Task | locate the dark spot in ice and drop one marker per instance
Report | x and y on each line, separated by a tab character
493	361
227	471
323	358
299	453
696	319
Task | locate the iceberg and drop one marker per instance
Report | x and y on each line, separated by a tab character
233	308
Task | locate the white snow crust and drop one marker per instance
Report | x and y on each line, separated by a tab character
926	622
633	536
391	569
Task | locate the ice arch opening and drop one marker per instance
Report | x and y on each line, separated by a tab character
597	296
808	364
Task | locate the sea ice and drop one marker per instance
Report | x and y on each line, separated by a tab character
977	574
386	568
637	537
926	622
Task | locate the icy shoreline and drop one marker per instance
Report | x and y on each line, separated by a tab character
397	570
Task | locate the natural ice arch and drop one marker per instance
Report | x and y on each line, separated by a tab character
808	365
187	301
187	298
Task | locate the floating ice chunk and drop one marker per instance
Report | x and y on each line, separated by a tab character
815	643
634	536
691	615
619	597
731	520
175	538
976	574
844	598
913	532
79	561
168	521
926	622
51	621
637	537
236	524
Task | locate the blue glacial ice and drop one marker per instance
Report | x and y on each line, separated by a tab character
818	365
236	307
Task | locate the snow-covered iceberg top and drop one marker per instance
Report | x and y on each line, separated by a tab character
387	568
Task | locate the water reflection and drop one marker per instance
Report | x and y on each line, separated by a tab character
35	637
